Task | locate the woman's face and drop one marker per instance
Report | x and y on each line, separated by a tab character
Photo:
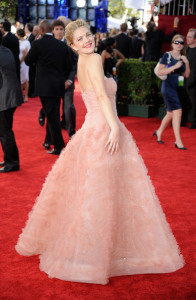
83	41
178	44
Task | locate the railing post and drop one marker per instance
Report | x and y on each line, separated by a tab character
184	6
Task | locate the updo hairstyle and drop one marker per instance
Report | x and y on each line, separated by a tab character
71	28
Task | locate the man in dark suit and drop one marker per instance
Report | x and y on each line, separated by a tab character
69	112
11	41
10	98
124	42
52	64
191	80
137	44
28	32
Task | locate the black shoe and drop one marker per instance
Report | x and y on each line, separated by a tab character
192	127
32	95
46	146
54	151
7	169
2	163
158	141
41	121
180	148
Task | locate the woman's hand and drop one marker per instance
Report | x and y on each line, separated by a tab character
176	21
184	59
113	141
178	65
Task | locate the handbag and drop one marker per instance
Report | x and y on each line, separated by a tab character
162	77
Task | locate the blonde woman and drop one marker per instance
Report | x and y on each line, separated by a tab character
176	67
24	69
97	215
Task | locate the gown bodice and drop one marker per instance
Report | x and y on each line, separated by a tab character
90	99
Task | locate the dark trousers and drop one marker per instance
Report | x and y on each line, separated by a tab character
192	96
10	150
31	92
69	112
185	103
53	127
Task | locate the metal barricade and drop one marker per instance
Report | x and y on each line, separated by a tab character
177	7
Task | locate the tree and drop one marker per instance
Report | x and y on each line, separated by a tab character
118	9
8	8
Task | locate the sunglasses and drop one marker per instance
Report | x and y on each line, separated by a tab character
178	42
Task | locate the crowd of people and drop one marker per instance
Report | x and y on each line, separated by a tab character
42	72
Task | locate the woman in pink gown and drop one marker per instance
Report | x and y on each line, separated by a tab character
97	215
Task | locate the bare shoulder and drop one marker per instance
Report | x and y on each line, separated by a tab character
94	57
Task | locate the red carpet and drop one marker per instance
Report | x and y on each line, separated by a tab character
173	173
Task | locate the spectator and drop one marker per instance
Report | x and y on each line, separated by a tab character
52	64
154	39
173	65
15	26
11	97
28	32
97	41
36	32
137	44
32	33
191	80
11	41
113	32
142	28
124	42
24	69
109	58
69	112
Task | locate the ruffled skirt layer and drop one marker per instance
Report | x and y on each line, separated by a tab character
97	215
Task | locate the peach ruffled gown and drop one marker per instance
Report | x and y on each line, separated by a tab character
97	215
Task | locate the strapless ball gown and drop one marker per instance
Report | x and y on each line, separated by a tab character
97	215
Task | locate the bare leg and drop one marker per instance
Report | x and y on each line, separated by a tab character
22	87
177	114
166	120
26	88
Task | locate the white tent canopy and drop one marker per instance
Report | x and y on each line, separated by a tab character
113	22
136	4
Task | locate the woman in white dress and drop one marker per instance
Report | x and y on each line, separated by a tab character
24	69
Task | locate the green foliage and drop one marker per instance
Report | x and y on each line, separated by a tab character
8	9
117	8
137	83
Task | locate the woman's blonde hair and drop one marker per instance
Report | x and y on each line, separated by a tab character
71	28
177	36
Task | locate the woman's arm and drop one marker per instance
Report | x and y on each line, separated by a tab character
142	49
119	55
96	76
163	70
